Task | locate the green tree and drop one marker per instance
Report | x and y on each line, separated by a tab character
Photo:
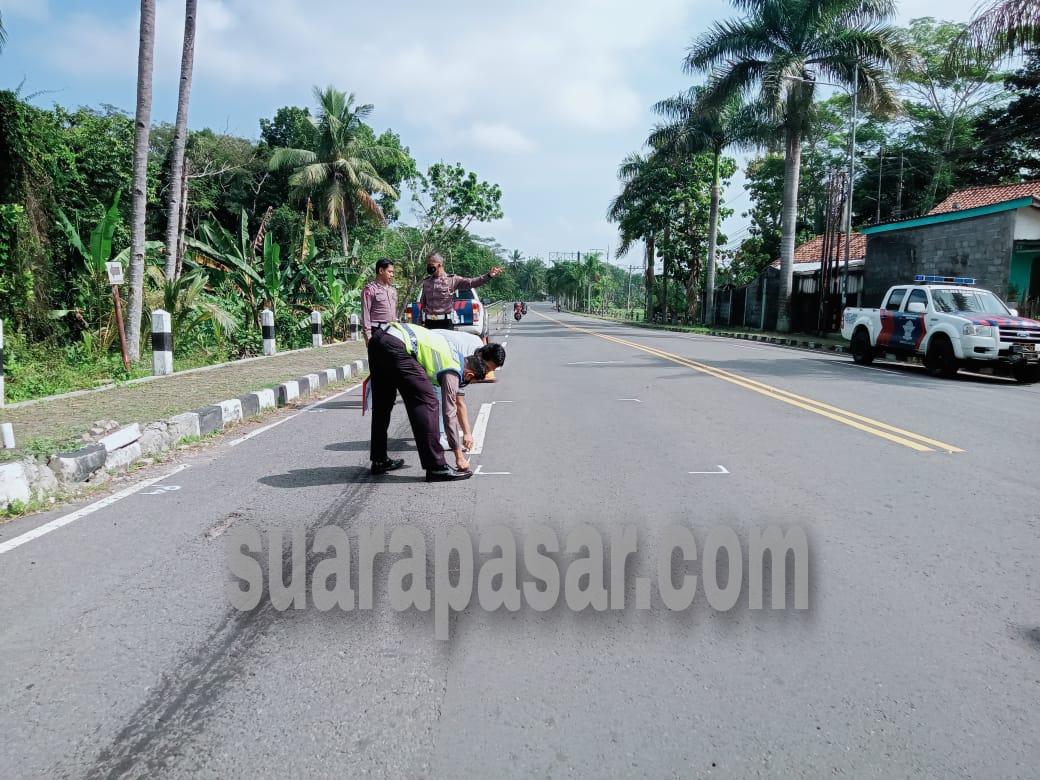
1001	28
943	99
781	48
340	173
693	130
1006	142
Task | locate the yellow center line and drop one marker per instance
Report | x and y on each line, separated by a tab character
901	436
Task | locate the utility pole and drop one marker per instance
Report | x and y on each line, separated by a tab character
628	305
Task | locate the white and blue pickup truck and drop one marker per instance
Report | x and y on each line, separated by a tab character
950	325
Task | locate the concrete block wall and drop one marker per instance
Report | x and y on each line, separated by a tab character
979	247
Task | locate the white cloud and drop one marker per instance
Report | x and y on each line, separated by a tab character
500	138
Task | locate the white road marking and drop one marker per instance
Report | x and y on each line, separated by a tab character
722	470
479	429
488	473
631	399
161	490
594	362
266	428
54	525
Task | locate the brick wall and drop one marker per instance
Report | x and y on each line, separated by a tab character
979	247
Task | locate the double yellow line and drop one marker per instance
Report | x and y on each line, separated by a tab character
885	431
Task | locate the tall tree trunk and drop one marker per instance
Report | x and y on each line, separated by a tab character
649	313
343	232
788	227
713	235
142	125
183	220
180	137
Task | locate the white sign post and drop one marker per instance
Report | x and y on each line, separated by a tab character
115	278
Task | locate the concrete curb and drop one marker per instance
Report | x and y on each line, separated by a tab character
784	342
35	478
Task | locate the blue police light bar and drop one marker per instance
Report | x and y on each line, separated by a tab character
944	279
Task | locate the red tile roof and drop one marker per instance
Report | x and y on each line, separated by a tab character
810	251
975	197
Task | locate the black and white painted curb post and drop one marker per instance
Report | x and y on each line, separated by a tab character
162	343
267	330
1	362
315	328
354	334
7	431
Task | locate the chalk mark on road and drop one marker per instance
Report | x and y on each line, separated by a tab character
721	470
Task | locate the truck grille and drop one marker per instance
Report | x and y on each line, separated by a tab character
1020	336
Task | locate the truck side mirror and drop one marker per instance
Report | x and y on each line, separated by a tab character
1014	312
916	307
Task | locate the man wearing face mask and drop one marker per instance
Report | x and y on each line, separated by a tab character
438	293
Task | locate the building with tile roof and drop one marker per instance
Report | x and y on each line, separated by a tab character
989	233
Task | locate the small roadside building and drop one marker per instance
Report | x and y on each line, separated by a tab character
818	263
991	234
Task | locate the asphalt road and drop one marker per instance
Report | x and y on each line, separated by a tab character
918	655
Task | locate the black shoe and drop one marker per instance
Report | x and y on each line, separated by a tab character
383	466
446	474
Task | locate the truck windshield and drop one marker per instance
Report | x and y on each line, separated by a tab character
968	302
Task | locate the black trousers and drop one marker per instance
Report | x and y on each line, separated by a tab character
394	371
445	324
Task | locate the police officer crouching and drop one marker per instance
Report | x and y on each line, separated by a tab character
409	360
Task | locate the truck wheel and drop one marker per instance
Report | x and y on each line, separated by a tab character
1026	374
941	360
862	352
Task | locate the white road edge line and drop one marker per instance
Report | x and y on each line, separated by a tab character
631	399
307	408
54	525
479	429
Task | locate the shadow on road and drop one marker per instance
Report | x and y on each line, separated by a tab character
338	475
393	445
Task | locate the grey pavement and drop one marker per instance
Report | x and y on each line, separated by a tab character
918	655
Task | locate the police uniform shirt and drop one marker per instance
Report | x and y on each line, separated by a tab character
378	304
438	292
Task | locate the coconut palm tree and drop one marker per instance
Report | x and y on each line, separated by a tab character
641	209
781	48
135	275
695	131
1003	27
340	174
3	32
180	136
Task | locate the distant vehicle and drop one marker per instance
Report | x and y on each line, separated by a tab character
470	313
950	324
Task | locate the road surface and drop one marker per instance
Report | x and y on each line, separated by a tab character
918	654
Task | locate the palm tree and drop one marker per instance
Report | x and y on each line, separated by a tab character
340	173
180	136
781	48
694	131
640	209
3	32
135	276
1003	27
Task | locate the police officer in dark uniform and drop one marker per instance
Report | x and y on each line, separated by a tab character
438	292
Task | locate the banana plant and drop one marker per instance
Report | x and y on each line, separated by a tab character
262	281
94	308
185	300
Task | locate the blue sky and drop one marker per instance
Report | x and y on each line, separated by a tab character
544	97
